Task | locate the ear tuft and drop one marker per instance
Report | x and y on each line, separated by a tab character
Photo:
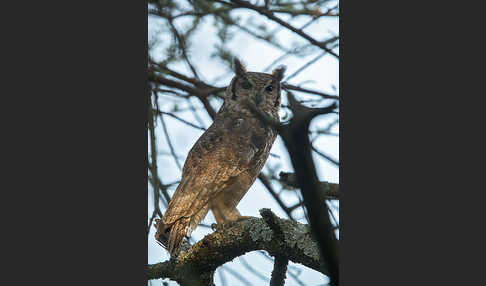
278	73
239	68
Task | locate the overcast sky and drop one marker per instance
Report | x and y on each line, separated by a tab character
322	75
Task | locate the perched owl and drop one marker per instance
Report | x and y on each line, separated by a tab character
226	159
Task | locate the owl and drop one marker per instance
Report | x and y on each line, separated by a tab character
226	159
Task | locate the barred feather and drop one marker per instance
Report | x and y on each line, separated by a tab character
177	233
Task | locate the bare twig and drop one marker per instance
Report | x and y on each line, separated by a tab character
269	15
325	156
182	46
153	151
305	66
180	119
169	142
238	276
221	276
253	270
269	188
301	89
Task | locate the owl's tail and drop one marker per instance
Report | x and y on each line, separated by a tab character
173	235
177	233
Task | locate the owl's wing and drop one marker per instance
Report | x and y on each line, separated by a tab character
212	165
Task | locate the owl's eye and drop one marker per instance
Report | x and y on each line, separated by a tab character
269	88
245	84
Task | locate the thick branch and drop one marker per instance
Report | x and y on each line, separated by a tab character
296	139
279	237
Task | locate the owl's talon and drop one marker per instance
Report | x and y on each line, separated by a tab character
221	226
240	218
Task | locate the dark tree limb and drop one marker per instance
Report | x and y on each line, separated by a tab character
279	270
296	140
325	156
328	191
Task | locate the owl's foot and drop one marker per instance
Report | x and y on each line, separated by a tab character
242	217
221	226
215	226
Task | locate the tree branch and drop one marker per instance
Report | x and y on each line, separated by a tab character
296	140
269	15
279	270
328	191
267	185
301	89
279	237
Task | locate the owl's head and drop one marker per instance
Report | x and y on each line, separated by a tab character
261	88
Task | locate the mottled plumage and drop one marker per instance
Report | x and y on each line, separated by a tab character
226	159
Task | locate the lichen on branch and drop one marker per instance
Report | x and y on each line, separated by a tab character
277	236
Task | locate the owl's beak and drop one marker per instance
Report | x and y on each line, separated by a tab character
258	98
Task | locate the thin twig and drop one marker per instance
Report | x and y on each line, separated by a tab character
269	15
239	276
310	91
182	46
167	138
269	188
153	151
325	156
305	66
253	270
221	275
194	112
181	120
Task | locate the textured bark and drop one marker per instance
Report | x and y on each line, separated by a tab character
279	237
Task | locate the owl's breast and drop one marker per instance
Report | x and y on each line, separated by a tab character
252	140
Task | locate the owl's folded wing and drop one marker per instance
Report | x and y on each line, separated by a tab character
209	169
